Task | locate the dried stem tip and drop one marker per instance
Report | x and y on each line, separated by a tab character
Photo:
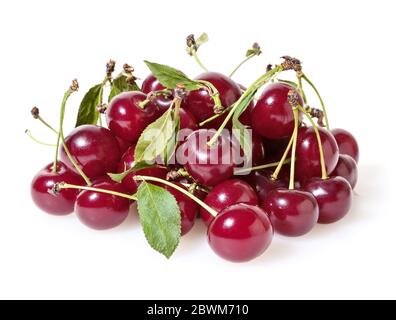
56	189
35	112
318	114
292	97
180	91
291	63
191	43
102	108
129	70
74	86
110	67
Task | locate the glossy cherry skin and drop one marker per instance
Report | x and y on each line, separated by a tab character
126	119
292	213
208	165
187	120
101	211
124	145
95	149
44	181
257	153
346	168
188	208
333	195
347	143
272	116
263	184
126	163
151	84
228	193
308	156
240	233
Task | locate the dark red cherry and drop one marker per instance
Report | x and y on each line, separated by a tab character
44	181
127	162
95	149
126	119
187	120
240	233
334	197
151	84
346	168
101	211
257	153
208	165
188	208
292	213
228	193
272	116
274	149
263	184
308	156
124	145
346	143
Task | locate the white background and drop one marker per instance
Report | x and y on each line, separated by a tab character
348	49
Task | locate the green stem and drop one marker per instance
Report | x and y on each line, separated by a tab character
195	55
293	156
214	117
241	64
29	134
114	193
320	99
321	153
246	98
300	90
47	124
262	167
180	189
214	93
283	159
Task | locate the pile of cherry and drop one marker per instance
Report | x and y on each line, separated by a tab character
303	173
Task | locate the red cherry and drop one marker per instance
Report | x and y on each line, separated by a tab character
308	156
151	84
240	233
188	208
126	119
292	213
228	193
274	149
102	211
94	148
127	161
272	116
346	168
187	120
124	145
44	181
334	197
346	143
208	165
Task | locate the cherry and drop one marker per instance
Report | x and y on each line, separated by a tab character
240	233
308	156
126	118
102	211
208	165
346	168
151	84
127	161
94	148
292	213
187	120
228	193
124	145
346	143
274	149
272	116
257	149
263	184
188	208
334	197
44	181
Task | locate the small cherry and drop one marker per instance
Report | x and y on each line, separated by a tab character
346	168
272	116
188	208
228	193
151	84
347	143
334	196
129	114
240	233
44	181
95	149
102	211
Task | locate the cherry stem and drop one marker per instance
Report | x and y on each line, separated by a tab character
262	167
214	117
29	134
300	88
321	153
195	55
246	98
283	159
46	124
114	193
320	99
180	189
214	93
293	156
242	63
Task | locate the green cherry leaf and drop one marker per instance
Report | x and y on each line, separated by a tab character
88	113
120	84
118	177
160	217
171	77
